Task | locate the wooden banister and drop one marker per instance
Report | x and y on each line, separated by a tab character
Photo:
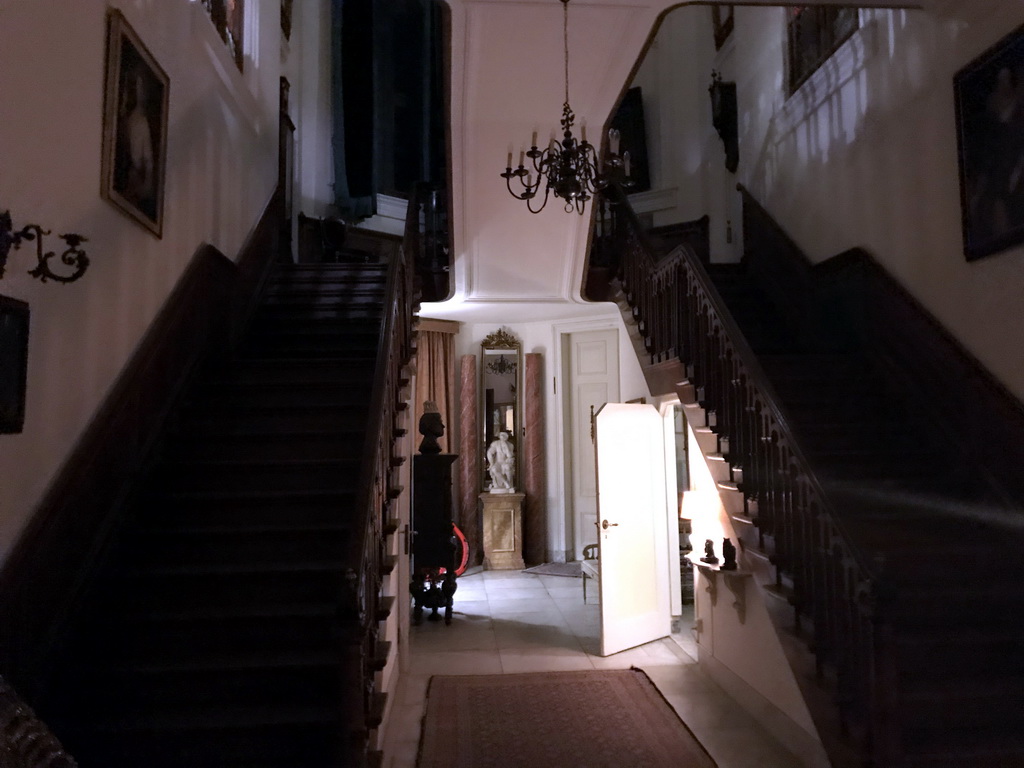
25	741
835	587
367	557
867	311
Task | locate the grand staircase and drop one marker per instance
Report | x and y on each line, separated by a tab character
889	535
910	499
216	637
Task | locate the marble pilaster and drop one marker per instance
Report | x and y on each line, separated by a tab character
469	463
533	462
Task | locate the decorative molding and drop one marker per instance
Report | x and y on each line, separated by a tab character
390	216
501	339
392	207
655	200
439	326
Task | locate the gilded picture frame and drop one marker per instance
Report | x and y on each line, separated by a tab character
989	98
135	107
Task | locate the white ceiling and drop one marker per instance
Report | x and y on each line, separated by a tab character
507	82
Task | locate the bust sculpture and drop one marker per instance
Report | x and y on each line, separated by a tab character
501	463
431	427
709	553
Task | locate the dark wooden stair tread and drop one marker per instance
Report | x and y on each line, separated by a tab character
231	573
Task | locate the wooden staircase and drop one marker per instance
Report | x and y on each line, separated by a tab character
216	636
907	498
870	468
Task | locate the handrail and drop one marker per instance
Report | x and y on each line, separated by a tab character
366	555
682	314
25	741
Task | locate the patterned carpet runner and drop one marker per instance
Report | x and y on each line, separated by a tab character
591	719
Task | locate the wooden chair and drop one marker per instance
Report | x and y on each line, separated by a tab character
590	566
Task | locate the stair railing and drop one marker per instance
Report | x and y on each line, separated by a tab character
367	556
834	586
25	741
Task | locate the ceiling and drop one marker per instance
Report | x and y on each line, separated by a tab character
507	82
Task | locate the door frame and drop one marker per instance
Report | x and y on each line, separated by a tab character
563	548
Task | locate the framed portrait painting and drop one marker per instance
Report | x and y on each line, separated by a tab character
134	126
989	95
13	363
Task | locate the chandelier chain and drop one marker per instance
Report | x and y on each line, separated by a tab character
565	42
569	169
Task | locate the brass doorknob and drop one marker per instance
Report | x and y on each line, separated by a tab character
606	525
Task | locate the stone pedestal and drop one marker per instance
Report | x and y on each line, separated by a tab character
503	531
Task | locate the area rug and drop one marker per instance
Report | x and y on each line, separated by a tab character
593	719
556	569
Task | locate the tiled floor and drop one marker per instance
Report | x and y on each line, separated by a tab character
508	621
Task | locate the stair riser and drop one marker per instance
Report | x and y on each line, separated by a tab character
142	690
975	610
309	299
298	314
254	421
246	510
263	478
256	747
1003	708
309	347
962	660
236	548
270	448
177	641
335	396
297	373
204	590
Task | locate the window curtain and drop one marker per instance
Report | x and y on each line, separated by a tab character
352	80
435	377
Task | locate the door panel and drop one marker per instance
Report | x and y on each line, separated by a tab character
633	542
593	372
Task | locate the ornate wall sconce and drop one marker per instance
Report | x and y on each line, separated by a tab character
73	256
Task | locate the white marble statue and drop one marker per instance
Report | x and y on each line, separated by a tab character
501	464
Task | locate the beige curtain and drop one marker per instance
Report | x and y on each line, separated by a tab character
435	376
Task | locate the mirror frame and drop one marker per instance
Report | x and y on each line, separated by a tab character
501	343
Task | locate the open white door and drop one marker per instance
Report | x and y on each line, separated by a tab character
633	539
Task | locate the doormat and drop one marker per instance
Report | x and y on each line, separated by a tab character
556	569
593	719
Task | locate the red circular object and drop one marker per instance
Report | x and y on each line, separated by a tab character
464	546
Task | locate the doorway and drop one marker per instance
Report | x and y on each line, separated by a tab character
591	374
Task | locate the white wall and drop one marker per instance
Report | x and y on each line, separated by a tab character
863	155
311	89
221	172
544	337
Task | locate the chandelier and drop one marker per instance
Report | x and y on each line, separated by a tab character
501	367
570	169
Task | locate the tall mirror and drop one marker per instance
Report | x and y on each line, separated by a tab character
501	395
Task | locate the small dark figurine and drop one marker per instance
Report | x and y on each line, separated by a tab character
728	555
709	553
431	427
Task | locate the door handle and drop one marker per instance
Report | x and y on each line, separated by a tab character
606	525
